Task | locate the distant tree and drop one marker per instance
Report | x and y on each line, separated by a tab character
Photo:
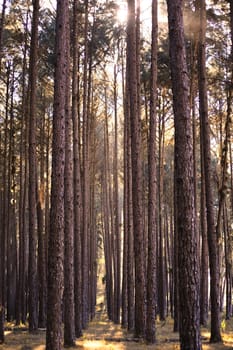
189	312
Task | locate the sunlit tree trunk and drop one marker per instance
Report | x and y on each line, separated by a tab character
189	308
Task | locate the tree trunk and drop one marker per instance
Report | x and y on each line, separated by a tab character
136	174
205	139
56	234
69	318
152	187
77	180
32	277
187	245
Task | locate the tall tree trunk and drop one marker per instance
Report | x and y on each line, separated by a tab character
204	288
33	278
22	183
205	139
69	318
4	214
56	234
86	214
77	179
136	174
152	187
117	285
124	297
186	230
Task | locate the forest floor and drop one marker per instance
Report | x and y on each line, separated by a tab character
105	335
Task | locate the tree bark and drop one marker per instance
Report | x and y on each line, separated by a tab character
77	180
139	255
205	139
33	277
152	187
56	234
189	308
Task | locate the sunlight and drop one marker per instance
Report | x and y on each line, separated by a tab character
122	12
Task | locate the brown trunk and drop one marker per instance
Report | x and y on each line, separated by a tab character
32	277
117	285
205	139
56	234
77	180
151	263
21	302
136	174
186	231
124	298
69	318
86	214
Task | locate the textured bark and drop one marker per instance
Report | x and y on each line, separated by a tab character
77	180
42	267
107	220
21	302
187	243
33	277
10	224
69	318
204	288
151	264
117	284
160	255
4	214
130	237
136	174
86	214
124	297
205	140
56	234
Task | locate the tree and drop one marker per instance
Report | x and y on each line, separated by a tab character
151	264
56	234
77	179
135	128
33	278
205	140
69	317
189	327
